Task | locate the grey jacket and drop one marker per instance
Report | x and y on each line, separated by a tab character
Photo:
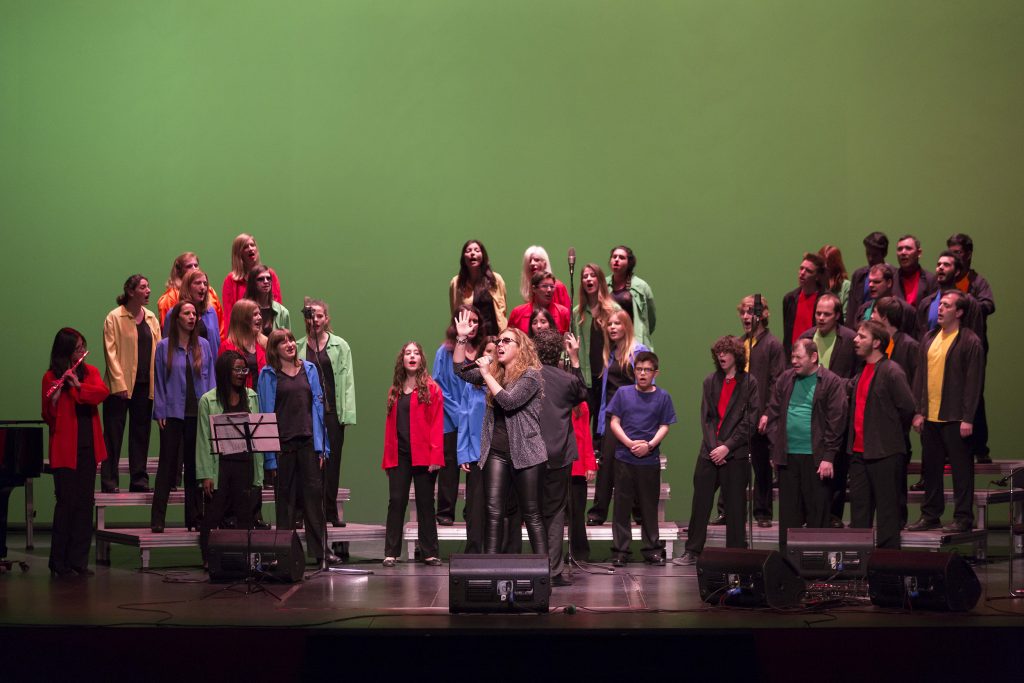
521	401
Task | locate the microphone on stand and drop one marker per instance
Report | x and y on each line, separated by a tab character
572	261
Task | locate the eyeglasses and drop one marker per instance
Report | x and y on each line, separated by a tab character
643	371
505	340
240	371
547	286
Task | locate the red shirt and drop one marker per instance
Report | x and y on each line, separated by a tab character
860	401
233	290
584	442
63	420
723	400
910	285
804	319
520	317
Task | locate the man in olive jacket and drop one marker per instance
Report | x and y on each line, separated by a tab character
805	420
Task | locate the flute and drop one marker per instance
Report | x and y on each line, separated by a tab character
57	385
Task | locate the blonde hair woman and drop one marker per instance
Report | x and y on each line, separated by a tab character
245	256
181	266
245	337
535	260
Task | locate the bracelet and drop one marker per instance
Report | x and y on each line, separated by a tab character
462	341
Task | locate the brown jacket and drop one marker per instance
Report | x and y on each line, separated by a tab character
843	361
828	416
888	411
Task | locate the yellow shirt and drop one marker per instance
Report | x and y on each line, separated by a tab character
749	345
937	370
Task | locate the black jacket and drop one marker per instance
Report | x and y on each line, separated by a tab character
741	415
828	416
925	286
962	378
767	362
906	324
972	319
563	391
888	411
856	297
789	304
844	361
905	352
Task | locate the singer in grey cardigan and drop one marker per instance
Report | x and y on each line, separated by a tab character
512	451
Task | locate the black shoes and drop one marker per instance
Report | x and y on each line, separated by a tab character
140	489
432	561
957	527
718	521
619	561
157	529
332	560
560	581
686	559
917	485
594	521
764	523
445	521
924	525
656	560
109	489
837	523
83	571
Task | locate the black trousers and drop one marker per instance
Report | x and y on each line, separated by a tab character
399	479
840	478
554	502
732	477
234	493
448	478
803	496
874	488
332	468
641	483
499	478
605	476
579	544
299	474
473	512
138	410
977	442
177	447
939	441
75	492
760	458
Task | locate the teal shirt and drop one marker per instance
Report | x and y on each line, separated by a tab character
798	417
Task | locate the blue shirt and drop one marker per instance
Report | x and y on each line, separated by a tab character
640	415
212	329
471	422
267	390
451	386
169	391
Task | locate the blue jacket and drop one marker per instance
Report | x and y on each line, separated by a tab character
267	390
471	422
601	418
169	392
212	329
451	386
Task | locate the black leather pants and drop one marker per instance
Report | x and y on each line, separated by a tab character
499	477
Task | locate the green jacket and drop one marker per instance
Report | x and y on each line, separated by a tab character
644	318
344	379
208	463
581	330
282	318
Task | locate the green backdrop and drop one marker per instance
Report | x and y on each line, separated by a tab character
362	142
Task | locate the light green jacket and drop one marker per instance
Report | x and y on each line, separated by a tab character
644	317
344	379
207	462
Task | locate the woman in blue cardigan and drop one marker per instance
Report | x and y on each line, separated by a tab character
182	373
290	388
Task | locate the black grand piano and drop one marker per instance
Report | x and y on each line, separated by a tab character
21	461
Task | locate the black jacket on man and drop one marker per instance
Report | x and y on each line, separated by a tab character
906	324
962	379
905	353
888	411
563	391
767	362
843	361
789	304
856	297
741	415
972	318
828	416
925	286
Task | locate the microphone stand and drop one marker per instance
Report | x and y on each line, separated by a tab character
326	568
755	323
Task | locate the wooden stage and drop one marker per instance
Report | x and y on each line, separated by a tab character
396	620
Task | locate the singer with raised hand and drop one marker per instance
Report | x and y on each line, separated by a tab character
333	360
290	388
512	450
535	260
130	334
71	391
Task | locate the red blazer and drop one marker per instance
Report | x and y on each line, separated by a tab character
233	290
261	360
63	421
584	442
426	431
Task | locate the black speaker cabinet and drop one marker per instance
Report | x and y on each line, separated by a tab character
748	578
909	579
498	583
237	554
830	553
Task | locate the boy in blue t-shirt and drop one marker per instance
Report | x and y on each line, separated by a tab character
641	415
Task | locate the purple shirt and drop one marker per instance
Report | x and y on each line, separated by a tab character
640	415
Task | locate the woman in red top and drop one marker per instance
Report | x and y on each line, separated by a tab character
245	256
76	447
413	451
245	335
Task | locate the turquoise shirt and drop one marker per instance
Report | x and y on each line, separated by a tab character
798	417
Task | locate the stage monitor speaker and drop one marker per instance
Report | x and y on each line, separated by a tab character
237	555
919	579
748	578
830	553
498	583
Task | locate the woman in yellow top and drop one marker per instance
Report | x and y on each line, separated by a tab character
130	335
477	285
182	265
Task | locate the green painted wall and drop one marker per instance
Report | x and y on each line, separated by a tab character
363	142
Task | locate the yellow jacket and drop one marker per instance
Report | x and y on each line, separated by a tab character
120	346
456	299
